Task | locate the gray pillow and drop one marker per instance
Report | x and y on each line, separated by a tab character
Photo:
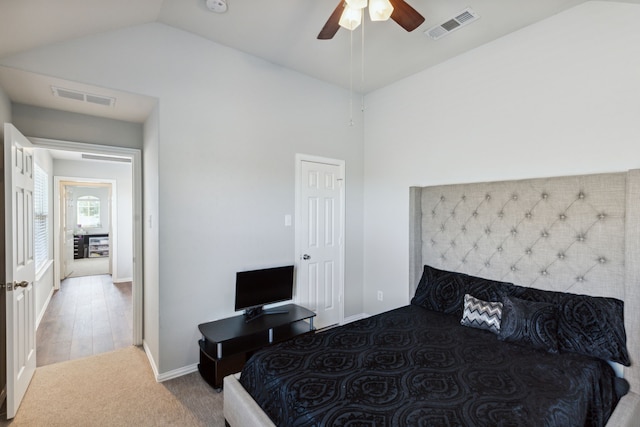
481	314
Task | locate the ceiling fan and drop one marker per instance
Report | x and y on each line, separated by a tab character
349	12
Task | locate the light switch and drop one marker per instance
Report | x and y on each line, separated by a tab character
287	220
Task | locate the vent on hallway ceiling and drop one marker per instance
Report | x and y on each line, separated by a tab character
105	101
463	18
105	158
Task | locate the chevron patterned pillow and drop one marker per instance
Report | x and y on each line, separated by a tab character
481	314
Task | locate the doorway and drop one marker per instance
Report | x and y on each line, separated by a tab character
120	212
90	309
88	227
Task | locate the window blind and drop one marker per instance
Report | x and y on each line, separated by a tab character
41	216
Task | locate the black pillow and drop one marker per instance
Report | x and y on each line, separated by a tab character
593	326
533	324
444	291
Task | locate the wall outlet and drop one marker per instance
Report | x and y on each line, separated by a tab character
380	296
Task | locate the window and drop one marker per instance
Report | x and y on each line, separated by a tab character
41	216
89	212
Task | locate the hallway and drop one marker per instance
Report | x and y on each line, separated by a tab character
88	315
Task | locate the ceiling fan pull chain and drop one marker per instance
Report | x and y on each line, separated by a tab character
351	80
362	70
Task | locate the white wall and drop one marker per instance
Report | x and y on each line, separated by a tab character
121	173
229	126
558	98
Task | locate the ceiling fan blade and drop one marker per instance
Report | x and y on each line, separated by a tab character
332	25
406	16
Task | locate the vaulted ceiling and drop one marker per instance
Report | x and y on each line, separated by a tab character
282	31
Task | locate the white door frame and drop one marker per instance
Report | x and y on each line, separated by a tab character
58	223
298	220
136	168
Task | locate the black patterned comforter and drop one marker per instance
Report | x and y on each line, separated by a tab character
415	367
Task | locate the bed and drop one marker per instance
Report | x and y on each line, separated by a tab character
556	256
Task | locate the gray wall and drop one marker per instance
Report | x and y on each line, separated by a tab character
5	117
61	125
556	98
225	167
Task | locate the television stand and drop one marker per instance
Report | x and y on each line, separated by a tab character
255	313
227	344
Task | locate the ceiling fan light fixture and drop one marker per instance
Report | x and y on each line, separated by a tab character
357	4
380	10
351	18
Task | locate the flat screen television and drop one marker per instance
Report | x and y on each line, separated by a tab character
257	288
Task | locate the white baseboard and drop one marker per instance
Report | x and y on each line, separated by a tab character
44	309
167	375
122	279
355	317
152	362
177	373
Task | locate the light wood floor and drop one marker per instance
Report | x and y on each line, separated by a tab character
88	315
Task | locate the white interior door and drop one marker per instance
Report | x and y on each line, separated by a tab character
320	233
68	227
19	247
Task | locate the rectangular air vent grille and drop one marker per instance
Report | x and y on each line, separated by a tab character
76	95
463	18
105	158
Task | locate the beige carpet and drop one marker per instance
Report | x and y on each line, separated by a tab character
116	389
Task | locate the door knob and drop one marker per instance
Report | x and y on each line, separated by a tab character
22	284
306	257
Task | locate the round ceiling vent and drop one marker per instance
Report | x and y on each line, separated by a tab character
217	6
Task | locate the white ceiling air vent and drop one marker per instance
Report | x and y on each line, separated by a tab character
105	158
463	18
106	101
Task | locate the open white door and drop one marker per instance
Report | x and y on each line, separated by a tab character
20	265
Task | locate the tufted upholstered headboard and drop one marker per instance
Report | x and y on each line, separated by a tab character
577	234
